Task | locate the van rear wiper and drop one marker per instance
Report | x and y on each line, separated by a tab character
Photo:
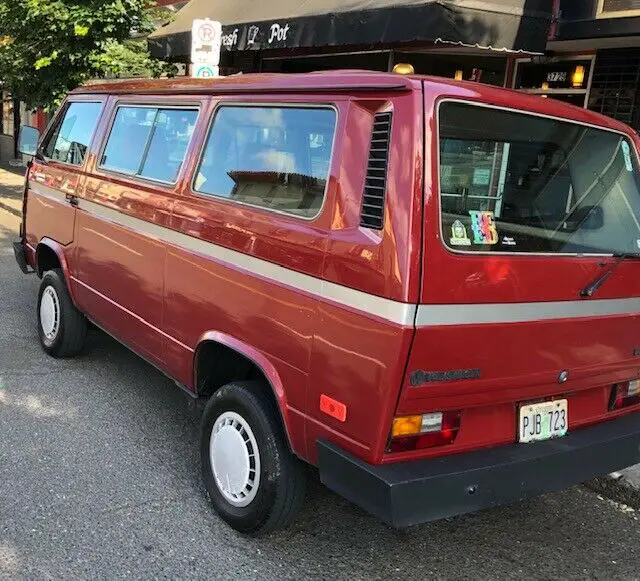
597	283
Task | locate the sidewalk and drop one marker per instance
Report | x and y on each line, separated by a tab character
623	486
11	186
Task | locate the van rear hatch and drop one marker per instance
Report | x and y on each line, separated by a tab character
531	277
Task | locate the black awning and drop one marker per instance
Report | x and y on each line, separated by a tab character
514	25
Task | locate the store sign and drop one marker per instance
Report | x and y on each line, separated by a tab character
278	32
230	40
256	36
206	41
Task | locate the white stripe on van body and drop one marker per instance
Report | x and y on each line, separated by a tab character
47	191
478	314
403	314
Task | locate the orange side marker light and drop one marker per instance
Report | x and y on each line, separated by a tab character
333	408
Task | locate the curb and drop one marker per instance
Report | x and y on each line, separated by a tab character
616	487
11	210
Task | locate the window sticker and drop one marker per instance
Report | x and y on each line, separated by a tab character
627	156
508	241
483	227
459	235
481	177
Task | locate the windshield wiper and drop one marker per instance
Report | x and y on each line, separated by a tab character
597	283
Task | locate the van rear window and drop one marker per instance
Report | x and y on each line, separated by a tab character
516	182
272	157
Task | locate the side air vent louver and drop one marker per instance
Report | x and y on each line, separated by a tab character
375	185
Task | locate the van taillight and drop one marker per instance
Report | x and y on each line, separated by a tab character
624	394
423	431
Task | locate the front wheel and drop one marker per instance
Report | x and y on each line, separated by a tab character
61	327
255	483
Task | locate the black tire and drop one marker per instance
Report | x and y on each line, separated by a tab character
282	481
67	339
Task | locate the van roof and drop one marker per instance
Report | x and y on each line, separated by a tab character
344	80
350	81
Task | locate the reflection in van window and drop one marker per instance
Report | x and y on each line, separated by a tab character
72	135
149	142
272	157
512	182
171	134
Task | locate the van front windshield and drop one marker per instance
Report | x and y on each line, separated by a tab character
514	182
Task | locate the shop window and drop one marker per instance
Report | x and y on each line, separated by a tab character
614	88
272	157
570	75
618	8
149	142
371	61
487	70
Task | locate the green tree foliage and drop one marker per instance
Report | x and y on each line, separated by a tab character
48	47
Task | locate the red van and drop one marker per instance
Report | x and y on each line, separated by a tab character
428	289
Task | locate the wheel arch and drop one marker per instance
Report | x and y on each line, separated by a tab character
249	355
49	254
44	253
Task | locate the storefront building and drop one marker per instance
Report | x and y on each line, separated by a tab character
468	39
586	53
592	58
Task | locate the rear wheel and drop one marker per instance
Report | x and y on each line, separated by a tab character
61	327
255	483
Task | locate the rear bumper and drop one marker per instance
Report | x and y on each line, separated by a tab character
21	256
408	493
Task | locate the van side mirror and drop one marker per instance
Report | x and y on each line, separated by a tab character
586	218
28	140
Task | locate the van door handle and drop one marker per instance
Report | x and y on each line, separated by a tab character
73	200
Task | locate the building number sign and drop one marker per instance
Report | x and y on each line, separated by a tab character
557	77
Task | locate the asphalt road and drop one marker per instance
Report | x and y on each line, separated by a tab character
99	479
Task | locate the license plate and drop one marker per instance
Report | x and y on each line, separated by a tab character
542	421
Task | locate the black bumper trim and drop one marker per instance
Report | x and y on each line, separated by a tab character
408	493
21	257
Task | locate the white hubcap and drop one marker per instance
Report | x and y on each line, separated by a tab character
235	459
50	313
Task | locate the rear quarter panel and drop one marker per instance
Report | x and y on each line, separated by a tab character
359	358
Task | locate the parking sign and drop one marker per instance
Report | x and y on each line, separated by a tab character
204	71
206	39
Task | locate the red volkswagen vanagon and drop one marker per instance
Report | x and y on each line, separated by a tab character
428	289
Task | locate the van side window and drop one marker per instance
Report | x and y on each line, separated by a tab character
72	134
149	142
271	157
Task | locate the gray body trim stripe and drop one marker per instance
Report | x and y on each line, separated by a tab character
474	314
397	312
404	314
46	191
